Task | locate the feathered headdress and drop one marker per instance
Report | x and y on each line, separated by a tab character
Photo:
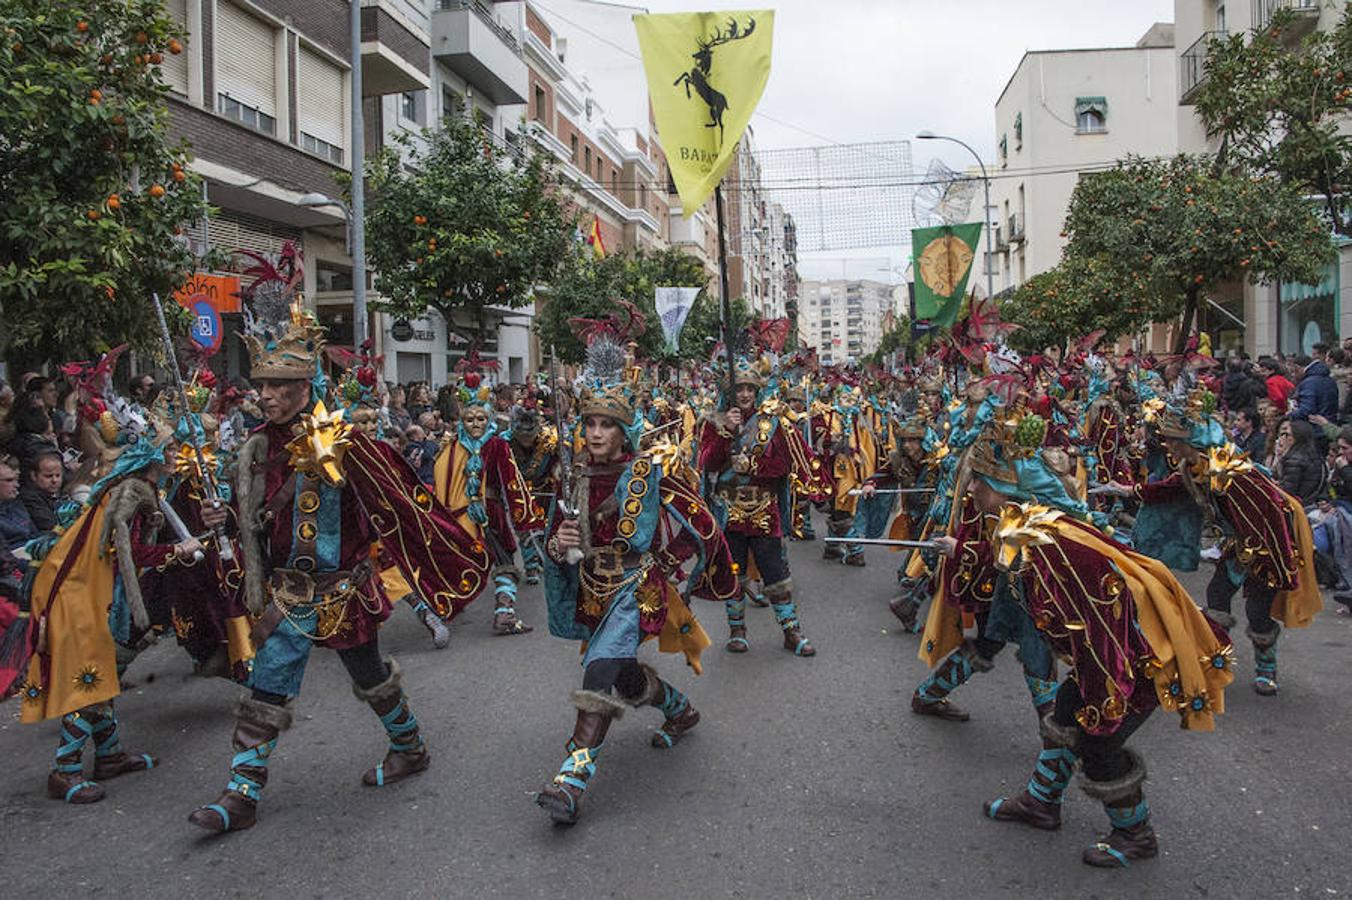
283	338
604	387
471	368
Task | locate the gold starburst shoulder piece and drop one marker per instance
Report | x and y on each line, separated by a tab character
320	447
1022	525
1224	464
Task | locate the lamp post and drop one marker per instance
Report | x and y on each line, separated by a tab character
357	217
986	217
315	200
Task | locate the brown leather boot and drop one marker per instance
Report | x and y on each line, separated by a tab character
408	752
780	595
1123	799
257	727
1039	804
906	611
110	760
505	619
679	716
561	798
66	780
931	696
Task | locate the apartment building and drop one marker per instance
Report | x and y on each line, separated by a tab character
844	319
1064	112
1289	318
262	94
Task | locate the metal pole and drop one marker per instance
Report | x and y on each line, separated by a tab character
727	301
986	215
357	218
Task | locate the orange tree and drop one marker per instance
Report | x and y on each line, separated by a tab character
455	223
1281	110
94	192
1149	239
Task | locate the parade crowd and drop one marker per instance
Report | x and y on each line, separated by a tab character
1043	501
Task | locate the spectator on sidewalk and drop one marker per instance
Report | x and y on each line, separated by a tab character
41	493
1249	436
1279	387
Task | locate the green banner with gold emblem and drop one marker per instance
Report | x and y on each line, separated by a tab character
943	263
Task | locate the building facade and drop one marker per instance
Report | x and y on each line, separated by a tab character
1064	112
1260	319
844	319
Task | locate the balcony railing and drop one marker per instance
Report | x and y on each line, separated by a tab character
1304	20
485	14
1015	229
1192	71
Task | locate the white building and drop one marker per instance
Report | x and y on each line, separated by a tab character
1288	318
844	319
1064	112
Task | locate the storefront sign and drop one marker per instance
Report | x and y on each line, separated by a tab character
208	297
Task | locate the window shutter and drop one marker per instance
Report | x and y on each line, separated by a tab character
246	66
319	98
1091	104
175	66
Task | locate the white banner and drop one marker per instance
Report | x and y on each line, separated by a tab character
673	307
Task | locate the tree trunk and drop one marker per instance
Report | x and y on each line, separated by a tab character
1189	313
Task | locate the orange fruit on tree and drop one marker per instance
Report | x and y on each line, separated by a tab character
82	26
157	191
420	220
155	58
141	37
114	201
109	292
93	215
179	175
175	47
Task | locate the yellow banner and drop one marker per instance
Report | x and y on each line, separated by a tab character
706	73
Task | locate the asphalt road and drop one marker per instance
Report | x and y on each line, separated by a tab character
806	778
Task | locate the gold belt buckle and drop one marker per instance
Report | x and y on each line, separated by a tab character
607	564
291	587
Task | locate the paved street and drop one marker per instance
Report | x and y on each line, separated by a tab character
806	778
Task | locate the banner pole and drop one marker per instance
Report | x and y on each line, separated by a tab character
727	301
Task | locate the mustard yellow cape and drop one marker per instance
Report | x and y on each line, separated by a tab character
73	589
1297	607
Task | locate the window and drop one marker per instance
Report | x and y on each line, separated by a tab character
540	104
1004	150
245	114
600	168
332	276
175	65
411	106
452	105
319	105
572	140
586	169
1091	115
311	144
1018	131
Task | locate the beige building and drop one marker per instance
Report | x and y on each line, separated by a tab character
1259	318
844	319
1064	112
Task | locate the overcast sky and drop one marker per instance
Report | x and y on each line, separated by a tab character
870	70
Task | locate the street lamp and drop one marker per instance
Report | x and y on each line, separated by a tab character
986	182
315	200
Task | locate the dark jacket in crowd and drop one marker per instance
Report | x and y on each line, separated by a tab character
1341	482
41	506
1255	445
16	525
1240	391
1301	474
1316	394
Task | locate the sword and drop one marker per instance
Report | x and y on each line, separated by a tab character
574	555
171	518
856	492
884	542
223	545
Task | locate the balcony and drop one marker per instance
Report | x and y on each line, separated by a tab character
1304	17
469	40
1192	71
393	57
1015	229
1001	241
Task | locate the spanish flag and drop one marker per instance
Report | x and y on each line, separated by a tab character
598	245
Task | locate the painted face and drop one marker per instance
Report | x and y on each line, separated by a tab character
281	400
9	483
48	476
367	421
933	400
475	420
797	405
605	438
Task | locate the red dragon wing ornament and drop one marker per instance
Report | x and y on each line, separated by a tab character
770	334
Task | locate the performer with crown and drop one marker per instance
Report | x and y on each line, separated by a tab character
755	455
477	478
535	449
314	494
628	527
1268	546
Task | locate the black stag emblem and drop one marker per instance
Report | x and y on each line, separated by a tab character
698	77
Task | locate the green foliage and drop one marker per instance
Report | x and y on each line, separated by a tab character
94	193
1148	238
588	288
892	341
1280	110
452	223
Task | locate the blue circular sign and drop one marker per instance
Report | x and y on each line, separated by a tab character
206	329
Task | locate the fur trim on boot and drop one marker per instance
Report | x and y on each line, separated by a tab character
652	688
598	702
249	486
1058	735
1220	617
267	715
979	662
507	569
1109	792
780	590
1264	639
387	692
